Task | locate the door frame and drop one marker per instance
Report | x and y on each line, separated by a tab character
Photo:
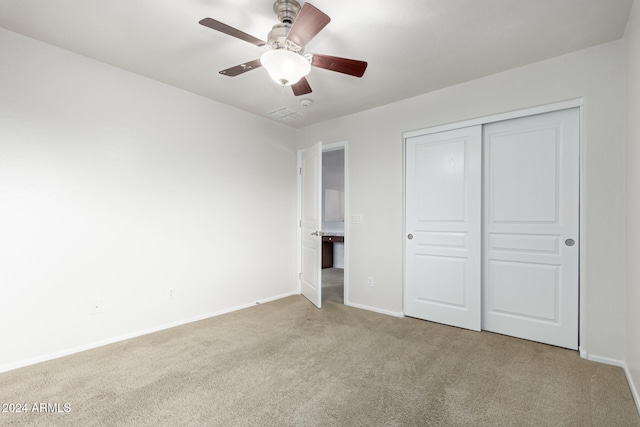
547	108
325	147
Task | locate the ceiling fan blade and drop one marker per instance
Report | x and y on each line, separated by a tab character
242	68
308	23
234	32
351	67
301	88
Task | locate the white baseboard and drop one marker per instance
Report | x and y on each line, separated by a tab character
67	352
376	310
600	359
621	364
583	354
633	387
277	297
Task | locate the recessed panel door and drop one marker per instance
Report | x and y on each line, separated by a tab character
311	223
442	227
530	227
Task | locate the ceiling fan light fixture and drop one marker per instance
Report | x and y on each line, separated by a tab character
285	67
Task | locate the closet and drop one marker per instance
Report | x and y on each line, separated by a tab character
492	226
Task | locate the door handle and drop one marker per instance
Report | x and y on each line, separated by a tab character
316	233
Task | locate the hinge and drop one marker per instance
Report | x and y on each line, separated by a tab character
299	276
300	171
300	223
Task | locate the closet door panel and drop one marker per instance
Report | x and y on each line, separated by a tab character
442	250
530	227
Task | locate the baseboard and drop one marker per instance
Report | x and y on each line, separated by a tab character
601	359
633	387
277	297
97	344
376	310
620	363
583	354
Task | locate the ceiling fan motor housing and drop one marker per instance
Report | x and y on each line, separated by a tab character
277	38
287	11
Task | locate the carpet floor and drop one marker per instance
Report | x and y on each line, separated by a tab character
333	285
287	363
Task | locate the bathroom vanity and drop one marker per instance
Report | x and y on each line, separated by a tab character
328	241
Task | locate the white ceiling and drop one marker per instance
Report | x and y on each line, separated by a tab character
412	46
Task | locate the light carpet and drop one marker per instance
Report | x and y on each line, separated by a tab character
287	363
333	285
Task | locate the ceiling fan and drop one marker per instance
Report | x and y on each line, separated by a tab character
284	57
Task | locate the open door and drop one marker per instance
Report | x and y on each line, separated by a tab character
311	223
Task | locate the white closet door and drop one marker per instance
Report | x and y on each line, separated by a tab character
530	227
442	224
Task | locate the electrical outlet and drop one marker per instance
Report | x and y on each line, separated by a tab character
370	282
96	307
171	293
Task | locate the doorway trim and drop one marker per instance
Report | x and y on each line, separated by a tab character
343	145
573	103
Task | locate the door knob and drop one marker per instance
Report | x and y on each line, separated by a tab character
410	236
315	233
569	242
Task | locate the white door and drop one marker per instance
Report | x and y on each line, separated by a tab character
530	227
311	223
442	227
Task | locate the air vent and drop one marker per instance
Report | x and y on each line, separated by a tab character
285	114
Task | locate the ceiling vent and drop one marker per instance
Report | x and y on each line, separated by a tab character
285	114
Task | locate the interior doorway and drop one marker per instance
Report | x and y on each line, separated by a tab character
333	224
323	232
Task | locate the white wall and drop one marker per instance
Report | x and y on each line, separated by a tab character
116	188
632	45
376	189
